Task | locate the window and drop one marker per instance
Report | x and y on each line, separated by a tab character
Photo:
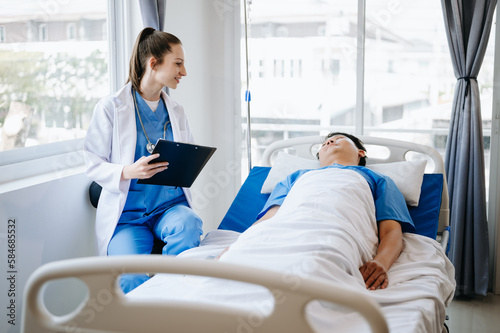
309	85
411	97
408	79
71	31
261	68
42	32
50	80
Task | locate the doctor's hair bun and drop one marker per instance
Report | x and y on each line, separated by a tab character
146	32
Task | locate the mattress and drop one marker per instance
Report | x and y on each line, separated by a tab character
339	235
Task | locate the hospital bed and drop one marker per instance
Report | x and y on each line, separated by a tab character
203	294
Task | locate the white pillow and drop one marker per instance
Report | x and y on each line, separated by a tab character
408	175
284	165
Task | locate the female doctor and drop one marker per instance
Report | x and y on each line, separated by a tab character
118	145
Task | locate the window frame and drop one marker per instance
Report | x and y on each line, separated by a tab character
3	34
43	32
14	161
71	31
494	181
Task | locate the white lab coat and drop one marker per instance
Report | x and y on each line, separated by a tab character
110	145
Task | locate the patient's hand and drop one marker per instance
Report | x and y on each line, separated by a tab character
391	244
374	275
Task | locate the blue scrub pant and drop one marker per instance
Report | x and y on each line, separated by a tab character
178	227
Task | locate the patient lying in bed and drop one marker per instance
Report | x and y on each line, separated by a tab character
340	223
366	205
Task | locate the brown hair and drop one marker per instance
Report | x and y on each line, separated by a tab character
149	43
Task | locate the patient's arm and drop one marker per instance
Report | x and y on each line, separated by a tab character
391	244
270	213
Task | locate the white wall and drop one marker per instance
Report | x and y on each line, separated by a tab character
210	95
53	221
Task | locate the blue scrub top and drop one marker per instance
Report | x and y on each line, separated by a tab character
389	201
148	201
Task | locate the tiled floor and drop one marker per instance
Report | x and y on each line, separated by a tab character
481	315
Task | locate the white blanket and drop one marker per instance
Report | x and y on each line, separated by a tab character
325	228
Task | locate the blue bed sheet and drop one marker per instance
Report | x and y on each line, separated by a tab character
249	202
426	214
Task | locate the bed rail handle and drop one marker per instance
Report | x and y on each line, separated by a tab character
100	273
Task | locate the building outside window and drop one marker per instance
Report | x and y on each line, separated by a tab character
49	80
42	32
71	31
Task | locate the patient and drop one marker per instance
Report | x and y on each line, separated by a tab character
341	151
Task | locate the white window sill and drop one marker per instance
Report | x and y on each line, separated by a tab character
21	168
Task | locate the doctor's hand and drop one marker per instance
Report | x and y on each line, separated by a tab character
141	169
374	275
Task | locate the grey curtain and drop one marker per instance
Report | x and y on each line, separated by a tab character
153	13
468	25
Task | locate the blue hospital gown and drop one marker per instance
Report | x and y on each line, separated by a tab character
145	202
389	202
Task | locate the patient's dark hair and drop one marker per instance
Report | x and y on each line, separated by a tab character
357	142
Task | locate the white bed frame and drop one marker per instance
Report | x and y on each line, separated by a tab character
107	309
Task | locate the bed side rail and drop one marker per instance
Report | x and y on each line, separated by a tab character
117	313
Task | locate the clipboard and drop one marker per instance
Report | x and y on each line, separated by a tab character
185	163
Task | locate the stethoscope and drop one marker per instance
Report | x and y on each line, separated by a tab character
150	147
